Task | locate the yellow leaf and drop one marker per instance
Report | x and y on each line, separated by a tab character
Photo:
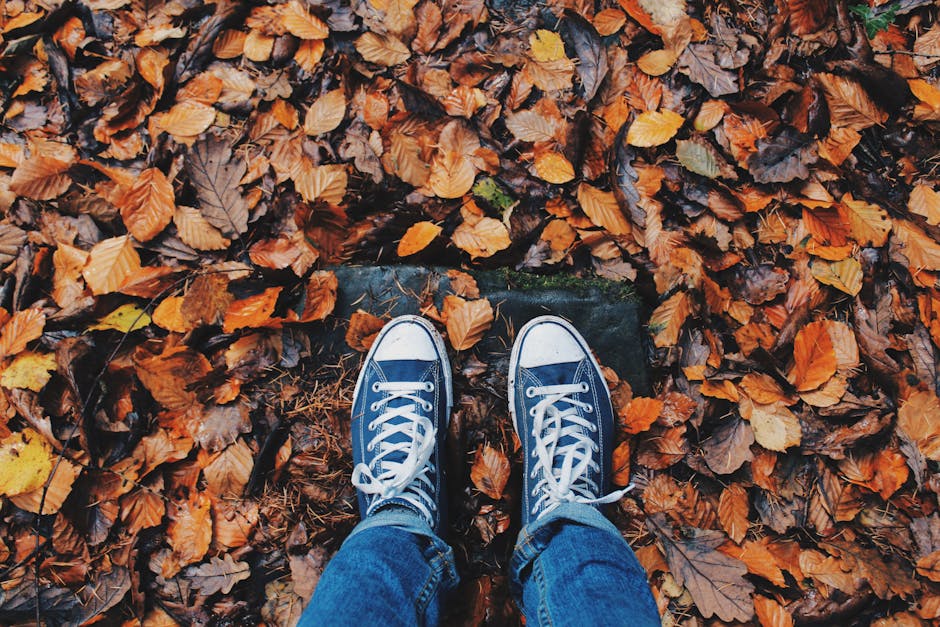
603	210
546	46
326	113
25	462
258	46
845	275
126	318
109	263
553	168
64	475
709	115
924	201
775	427
654	128
667	319
468	321
483	238
382	50
417	238
29	371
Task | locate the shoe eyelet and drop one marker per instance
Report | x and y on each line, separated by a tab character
530	392
428	387
375	386
370	446
589	409
534	455
428	406
584	386
371	426
374	407
593	428
532	412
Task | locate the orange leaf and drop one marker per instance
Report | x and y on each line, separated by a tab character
320	298
468	321
188	532
890	473
254	311
24	327
186	119
761	388
667	319
559	235
621	464
633	8
654	128
640	414
168	315
769	612
490	471
362	331
552	167
609	21
733	509
814	357
417	238
603	210
148	206
720	389
300	23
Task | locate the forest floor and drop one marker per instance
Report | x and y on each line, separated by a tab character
178	177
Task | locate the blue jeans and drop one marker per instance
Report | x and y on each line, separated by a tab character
570	567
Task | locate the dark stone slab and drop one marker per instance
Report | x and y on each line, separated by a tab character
607	313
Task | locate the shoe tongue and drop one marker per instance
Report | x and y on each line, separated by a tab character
555	374
409	370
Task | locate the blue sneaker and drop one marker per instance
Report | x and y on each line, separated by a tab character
561	410
401	407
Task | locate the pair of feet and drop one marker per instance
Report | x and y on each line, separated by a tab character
558	399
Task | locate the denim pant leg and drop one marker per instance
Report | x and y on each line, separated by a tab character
391	570
572	567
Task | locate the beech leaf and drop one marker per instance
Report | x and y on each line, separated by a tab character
215	173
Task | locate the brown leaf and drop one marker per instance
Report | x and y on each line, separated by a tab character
206	300
320	297
849	104
733	510
41	177
227	473
490	471
807	17
167	376
196	231
215	173
362	331
666	320
729	446
148	205
603	210
621	464
326	113
715	581
218	575
468	321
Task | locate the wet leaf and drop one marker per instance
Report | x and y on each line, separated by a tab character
126	318
25	462
490	471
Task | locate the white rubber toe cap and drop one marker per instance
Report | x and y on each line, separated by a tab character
407	339
549	342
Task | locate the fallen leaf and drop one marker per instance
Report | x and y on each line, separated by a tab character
654	128
25	462
21	329
552	167
218	575
326	113
126	319
110	263
320	297
382	50
215	172
667	319
417	238
362	331
481	238
603	210
254	311
544	45
715	581
733	510
30	371
814	357
775	427
769	612
188	533
490	471
468	321
640	414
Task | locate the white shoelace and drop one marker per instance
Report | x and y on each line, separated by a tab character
406	479
567	483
